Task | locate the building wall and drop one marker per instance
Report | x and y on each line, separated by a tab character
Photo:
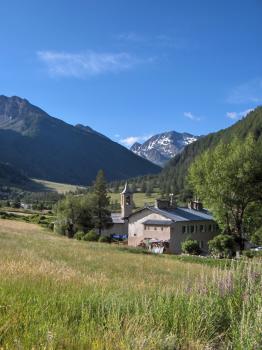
177	233
136	228
178	236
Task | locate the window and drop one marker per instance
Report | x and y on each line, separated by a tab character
183	229
192	229
209	228
155	228
201	228
162	228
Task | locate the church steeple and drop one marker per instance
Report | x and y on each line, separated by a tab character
126	202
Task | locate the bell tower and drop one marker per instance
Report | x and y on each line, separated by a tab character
126	202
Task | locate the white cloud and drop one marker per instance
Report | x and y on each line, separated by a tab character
130	140
81	65
192	116
237	115
249	92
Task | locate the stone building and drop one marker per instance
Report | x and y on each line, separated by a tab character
172	224
163	222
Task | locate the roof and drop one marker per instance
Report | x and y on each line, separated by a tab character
158	222
180	214
117	218
126	190
184	214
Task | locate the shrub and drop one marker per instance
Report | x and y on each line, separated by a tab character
91	236
256	238
79	235
249	254
104	239
51	226
191	247
222	246
60	227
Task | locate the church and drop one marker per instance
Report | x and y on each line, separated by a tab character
119	226
163	222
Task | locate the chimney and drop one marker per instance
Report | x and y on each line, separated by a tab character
195	205
172	202
162	204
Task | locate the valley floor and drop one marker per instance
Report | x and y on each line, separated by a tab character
57	293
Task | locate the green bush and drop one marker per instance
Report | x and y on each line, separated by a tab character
191	247
249	254
79	235
104	239
51	226
91	236
222	246
256	238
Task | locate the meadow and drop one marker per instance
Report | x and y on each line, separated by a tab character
56	186
140	199
57	293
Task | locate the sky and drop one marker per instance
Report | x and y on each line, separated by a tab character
134	68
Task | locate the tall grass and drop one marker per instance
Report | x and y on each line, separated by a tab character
57	293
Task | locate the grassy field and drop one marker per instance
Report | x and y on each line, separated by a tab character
139	198
57	187
57	293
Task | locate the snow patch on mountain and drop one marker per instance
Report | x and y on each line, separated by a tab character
160	148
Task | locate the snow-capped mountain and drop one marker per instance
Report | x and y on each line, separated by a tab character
160	148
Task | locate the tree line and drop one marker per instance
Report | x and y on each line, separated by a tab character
85	211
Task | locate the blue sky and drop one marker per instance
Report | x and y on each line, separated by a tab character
134	68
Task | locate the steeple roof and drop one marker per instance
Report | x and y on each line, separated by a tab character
126	189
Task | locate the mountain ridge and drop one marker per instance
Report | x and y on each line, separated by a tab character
45	147
162	147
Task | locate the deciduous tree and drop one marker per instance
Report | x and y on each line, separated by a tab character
229	179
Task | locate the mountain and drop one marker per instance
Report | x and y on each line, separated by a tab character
11	177
173	176
48	148
159	149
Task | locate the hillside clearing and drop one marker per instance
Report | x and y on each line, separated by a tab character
56	186
58	293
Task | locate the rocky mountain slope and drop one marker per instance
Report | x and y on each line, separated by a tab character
160	148
47	148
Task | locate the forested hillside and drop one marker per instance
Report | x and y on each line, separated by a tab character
173	176
47	148
11	177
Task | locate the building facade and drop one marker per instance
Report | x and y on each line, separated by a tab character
164	222
168	223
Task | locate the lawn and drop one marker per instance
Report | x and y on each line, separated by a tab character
57	293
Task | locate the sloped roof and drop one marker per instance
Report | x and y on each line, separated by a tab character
183	214
180	214
126	190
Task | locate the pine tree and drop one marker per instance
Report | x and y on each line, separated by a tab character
102	215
